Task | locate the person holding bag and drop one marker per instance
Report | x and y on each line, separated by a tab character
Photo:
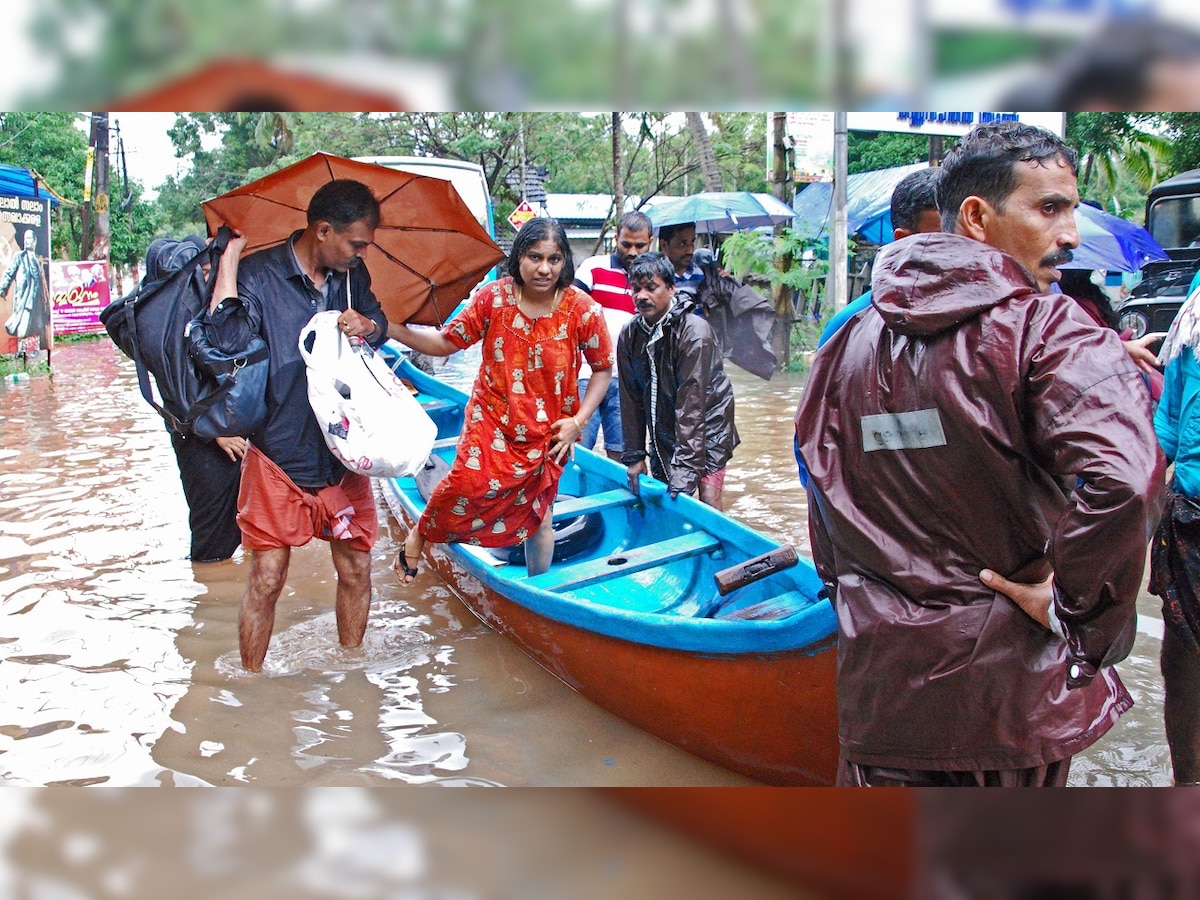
293	488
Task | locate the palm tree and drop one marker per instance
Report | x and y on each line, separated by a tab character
1114	151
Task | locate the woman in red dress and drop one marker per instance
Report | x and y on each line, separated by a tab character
524	415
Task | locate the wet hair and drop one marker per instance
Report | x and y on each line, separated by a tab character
916	193
342	202
643	268
666	232
535	231
984	164
635	221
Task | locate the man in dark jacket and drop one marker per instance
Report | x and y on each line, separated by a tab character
674	387
293	488
977	430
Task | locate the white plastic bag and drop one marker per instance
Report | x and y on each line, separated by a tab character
370	420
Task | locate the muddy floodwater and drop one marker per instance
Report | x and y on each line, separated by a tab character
118	657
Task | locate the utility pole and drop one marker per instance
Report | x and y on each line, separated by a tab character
96	230
780	179
101	246
835	282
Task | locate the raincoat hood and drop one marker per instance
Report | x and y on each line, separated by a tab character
929	283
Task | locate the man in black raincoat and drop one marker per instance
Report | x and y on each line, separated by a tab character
673	387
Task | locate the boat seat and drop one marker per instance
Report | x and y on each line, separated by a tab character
781	606
432	406
635	559
443	443
570	507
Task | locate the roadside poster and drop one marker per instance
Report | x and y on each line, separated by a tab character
79	291
24	275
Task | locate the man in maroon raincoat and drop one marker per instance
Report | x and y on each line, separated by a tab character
977	439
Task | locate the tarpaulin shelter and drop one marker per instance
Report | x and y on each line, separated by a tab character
18	182
868	205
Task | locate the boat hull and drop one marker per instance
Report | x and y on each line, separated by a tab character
749	690
769	716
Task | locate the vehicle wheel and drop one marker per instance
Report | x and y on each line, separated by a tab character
1137	322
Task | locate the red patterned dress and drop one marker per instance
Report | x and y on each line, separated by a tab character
504	480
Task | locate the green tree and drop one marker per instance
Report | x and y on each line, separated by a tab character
868	151
1183	130
1120	158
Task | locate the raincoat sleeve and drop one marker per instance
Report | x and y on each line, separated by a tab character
1092	428
633	399
697	352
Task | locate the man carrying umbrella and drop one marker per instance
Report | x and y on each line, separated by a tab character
293	488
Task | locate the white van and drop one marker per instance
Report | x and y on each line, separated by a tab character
467	178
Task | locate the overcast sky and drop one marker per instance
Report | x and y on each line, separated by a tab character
149	153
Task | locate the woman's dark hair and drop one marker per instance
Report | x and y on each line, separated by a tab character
984	164
1078	283
535	231
644	267
343	202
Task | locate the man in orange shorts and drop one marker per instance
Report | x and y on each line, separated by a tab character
293	488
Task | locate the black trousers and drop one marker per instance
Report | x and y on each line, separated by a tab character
210	485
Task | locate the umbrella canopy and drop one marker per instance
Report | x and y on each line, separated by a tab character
714	211
1105	241
428	252
1110	242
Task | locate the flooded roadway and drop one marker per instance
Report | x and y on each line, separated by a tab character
118	657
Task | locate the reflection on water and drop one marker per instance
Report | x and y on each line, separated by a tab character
120	662
118	658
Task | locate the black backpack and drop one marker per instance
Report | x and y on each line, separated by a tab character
201	391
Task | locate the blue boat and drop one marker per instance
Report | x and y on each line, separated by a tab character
631	614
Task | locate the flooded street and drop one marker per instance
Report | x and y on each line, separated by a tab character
118	657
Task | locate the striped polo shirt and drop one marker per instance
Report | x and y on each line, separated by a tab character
606	281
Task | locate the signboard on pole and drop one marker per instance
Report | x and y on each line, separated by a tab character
522	214
810	134
24	279
79	290
948	123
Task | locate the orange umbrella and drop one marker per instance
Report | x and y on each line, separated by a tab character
428	253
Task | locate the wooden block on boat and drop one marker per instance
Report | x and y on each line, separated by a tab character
729	580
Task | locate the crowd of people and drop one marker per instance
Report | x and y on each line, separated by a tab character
983	453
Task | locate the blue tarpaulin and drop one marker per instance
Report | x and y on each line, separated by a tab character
18	182
868	205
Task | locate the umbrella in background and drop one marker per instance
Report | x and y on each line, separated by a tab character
1106	241
714	211
429	250
1110	242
